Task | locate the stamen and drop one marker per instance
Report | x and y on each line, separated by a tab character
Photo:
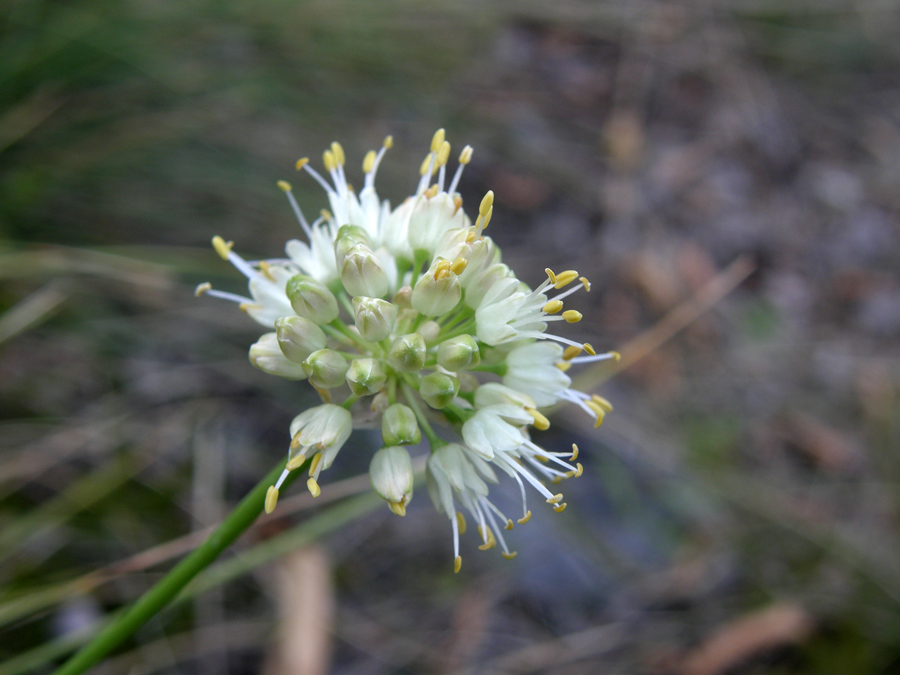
388	142
459	265
286	188
589	349
313	487
231	297
509	555
464	158
461	521
564	366
509	524
202	288
602	402
615	356
572	316
559	508
552	307
431	192
574	452
584	282
550	275
571	352
281	479
303	161
329	161
222	247
437	140
540	422
524	519
295	462
271	498
369	161
338	152
398	508
565	278
555	499
457	563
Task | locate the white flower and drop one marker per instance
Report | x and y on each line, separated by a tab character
411	306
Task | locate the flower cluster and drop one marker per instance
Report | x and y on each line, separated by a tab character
409	314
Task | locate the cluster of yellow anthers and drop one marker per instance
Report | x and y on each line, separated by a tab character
410	314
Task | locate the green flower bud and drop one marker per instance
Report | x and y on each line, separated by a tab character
438	389
374	317
408	353
365	376
348	237
311	299
326	368
392	477
399	426
459	353
298	337
361	273
266	355
437	291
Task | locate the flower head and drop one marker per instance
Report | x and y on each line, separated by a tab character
407	313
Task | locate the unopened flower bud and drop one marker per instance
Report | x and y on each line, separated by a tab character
392	477
438	389
437	291
403	298
311	299
365	376
266	355
298	337
348	237
361	273
374	317
430	330
399	426
326	368
459	353
408	353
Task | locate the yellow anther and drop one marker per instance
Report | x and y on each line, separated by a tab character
598	411
550	275
459	265
328	160
295	441
303	161
574	453
553	307
369	161
572	316
442	266
313	487
284	186
509	524
326	214
313	465
461	522
602	402
457	203
437	140
247	306
457	563
486	219
488	536
399	508
571	352
431	192
271	498
466	155
589	349
616	356
266	269
443	154
540	422
555	499
223	248
470	236
524	519
559	508
486	203
584	282
338	151
556	480
441	274
564	365
563	279
579	470
510	555
423	169
202	288
295	462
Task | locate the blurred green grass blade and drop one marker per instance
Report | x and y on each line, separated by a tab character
30	312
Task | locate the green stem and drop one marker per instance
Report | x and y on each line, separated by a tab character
172	584
435	440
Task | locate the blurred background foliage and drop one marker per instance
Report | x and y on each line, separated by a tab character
739	510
